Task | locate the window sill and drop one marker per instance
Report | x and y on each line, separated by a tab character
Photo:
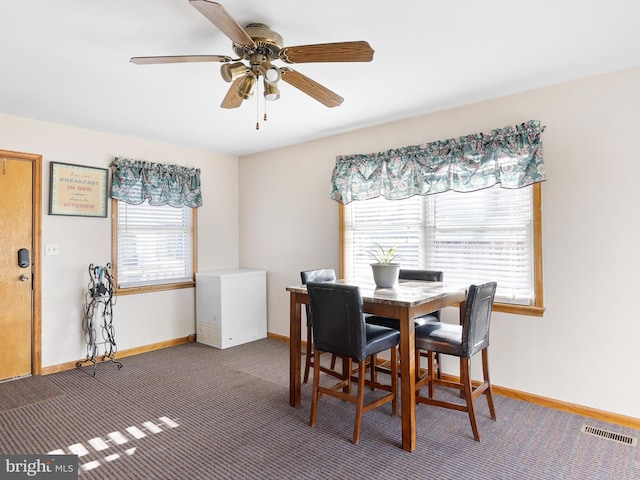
531	310
154	288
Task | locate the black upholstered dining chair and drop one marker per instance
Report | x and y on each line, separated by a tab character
413	274
462	341
339	327
318	275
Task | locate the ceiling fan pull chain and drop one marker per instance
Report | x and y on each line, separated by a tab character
258	106
265	109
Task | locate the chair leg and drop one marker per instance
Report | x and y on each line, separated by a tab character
394	381
430	367
342	389
347	372
307	362
438	363
421	377
314	391
333	361
485	374
465	377
461	393
373	361
359	401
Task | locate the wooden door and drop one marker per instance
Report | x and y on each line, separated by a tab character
17	223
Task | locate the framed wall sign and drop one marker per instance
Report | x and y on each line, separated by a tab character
78	190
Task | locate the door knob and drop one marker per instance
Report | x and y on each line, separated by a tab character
23	277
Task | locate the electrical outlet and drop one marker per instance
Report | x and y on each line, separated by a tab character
51	249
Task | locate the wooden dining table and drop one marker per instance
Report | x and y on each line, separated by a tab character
408	300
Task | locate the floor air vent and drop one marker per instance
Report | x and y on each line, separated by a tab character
614	437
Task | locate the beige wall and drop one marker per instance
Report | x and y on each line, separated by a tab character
139	319
584	349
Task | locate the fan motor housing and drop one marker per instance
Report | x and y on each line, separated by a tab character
268	42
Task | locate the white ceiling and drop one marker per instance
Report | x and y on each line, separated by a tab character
67	61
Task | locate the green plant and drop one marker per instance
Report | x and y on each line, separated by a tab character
381	255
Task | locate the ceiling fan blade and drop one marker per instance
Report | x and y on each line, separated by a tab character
311	88
328	52
219	16
180	59
232	99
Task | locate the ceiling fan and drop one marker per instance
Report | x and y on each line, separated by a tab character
256	46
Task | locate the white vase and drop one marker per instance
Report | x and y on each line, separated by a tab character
385	274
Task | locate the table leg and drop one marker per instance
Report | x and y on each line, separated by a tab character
295	351
408	379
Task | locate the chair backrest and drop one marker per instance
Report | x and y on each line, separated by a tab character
425	276
338	319
318	275
477	318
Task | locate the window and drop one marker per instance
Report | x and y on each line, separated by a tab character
490	234
154	247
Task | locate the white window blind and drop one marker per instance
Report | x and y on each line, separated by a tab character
154	245
472	237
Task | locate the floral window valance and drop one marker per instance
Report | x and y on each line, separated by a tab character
135	181
510	156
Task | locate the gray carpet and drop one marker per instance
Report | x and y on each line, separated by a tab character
195	412
26	391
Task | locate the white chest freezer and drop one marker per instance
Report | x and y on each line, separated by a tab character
231	307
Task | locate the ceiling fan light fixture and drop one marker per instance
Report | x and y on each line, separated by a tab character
272	74
247	86
271	91
231	71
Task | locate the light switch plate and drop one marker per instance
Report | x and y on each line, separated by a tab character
51	249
